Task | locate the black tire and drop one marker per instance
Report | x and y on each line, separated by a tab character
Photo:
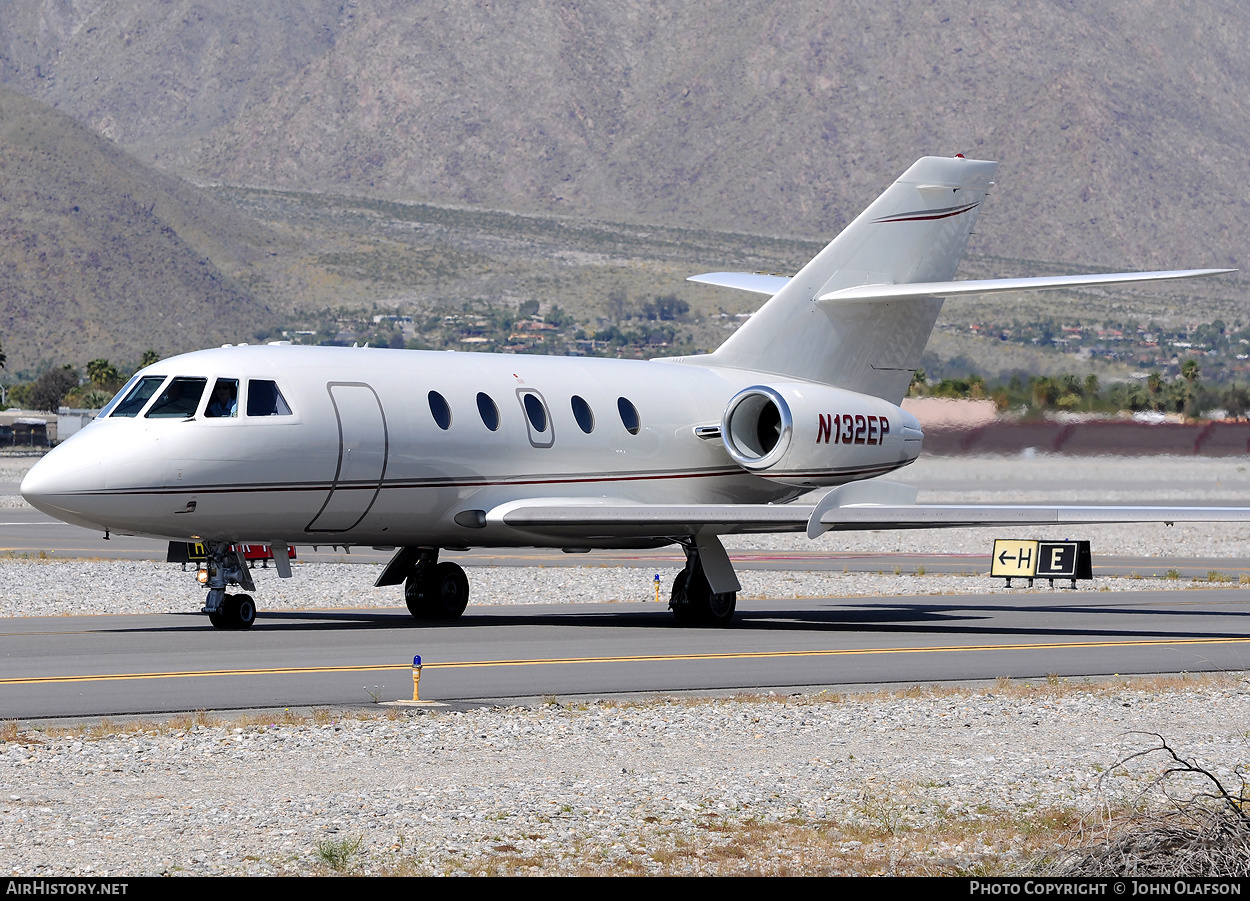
442	594
414	597
239	611
683	611
218	620
720	608
694	604
449	592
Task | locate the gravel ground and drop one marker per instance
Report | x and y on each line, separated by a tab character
926	781
936	781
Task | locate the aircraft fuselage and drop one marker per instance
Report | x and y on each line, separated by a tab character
396	448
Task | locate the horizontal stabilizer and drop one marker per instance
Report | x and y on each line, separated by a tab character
757	282
1000	285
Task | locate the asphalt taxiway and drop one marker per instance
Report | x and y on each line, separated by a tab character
149	664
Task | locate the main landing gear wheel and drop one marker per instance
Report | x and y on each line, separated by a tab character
694	604
238	611
440	592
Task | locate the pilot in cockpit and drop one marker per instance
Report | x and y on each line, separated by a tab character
225	401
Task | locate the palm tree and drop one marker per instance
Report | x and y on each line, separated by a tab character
103	373
1190	373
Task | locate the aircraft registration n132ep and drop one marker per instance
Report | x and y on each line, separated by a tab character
422	451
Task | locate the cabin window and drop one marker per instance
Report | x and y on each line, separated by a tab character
581	412
264	399
489	412
538	423
180	400
223	403
439	410
130	400
629	415
536	412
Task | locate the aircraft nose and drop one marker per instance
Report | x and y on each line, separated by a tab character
51	483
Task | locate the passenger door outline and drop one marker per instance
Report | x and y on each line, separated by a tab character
364	450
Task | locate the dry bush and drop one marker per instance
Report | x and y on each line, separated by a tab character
1203	832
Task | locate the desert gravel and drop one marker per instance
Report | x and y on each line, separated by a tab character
865	783
755	785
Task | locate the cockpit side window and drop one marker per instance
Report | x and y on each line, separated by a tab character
179	400
138	397
224	401
117	398
264	399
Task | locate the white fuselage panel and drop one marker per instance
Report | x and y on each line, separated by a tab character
362	457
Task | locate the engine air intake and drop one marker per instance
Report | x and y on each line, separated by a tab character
757	427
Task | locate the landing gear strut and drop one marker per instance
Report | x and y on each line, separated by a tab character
227	567
434	590
693	602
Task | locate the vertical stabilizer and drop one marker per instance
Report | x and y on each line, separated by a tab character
915	232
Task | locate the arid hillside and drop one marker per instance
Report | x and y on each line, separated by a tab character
1121	126
101	256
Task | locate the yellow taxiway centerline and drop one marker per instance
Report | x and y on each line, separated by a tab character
640	658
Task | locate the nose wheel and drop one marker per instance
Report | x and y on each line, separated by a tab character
237	611
226	566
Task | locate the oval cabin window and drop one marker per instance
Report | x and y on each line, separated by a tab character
488	411
536	412
581	412
629	415
440	411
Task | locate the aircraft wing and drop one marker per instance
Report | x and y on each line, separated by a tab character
609	518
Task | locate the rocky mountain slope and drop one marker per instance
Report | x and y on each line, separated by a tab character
102	257
1121	127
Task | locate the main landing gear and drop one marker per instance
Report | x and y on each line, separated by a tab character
432	590
693	602
227	567
440	591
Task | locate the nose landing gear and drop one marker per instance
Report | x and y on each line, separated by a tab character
227	567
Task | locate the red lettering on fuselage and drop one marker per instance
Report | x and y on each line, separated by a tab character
851	428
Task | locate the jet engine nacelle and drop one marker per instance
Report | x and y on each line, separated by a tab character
812	435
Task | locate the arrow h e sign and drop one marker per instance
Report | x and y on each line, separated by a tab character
1014	559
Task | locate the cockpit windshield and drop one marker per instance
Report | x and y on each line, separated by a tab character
179	400
117	398
136	399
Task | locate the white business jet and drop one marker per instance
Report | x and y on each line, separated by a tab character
423	451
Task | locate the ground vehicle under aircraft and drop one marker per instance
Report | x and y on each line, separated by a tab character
423	451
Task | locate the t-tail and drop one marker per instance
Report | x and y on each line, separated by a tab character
859	314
